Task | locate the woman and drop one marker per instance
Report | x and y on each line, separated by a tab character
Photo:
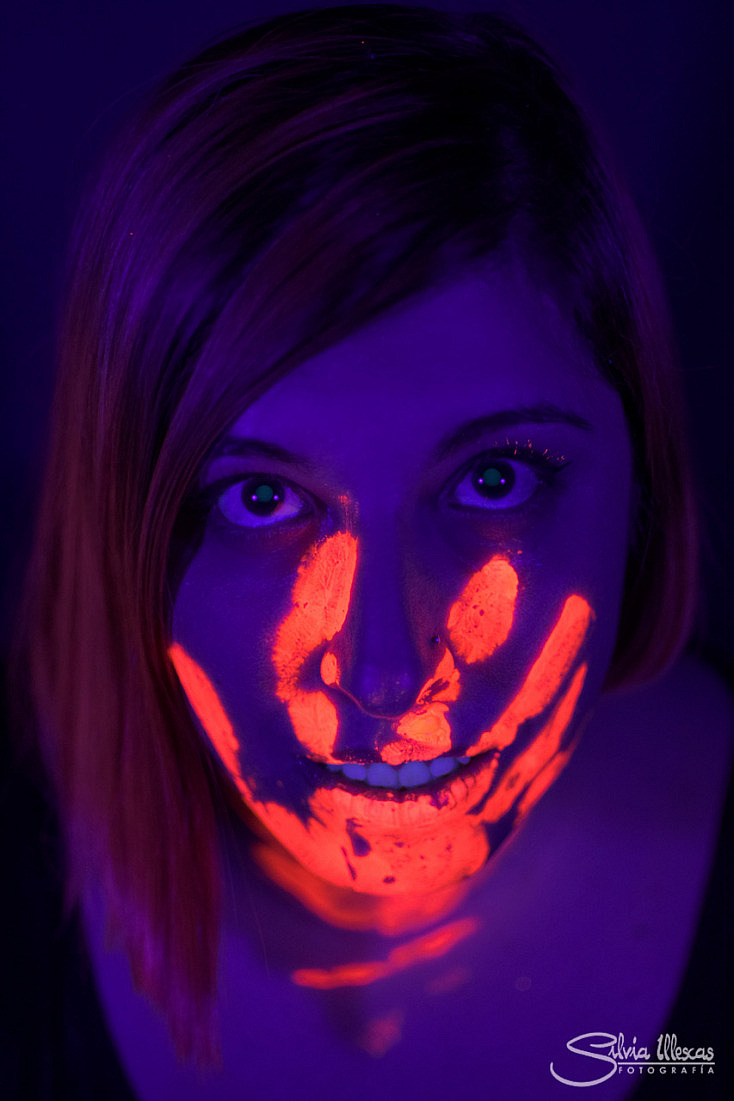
375	501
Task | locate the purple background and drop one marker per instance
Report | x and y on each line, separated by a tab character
657	73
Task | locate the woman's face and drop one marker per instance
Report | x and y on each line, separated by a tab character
406	595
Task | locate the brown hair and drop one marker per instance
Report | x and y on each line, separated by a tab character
278	191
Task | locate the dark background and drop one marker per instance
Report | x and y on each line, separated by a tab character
658	74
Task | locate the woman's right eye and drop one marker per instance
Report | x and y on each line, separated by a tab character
260	501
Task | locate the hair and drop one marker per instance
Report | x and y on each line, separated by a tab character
278	191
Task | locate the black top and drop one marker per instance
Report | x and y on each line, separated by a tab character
55	1041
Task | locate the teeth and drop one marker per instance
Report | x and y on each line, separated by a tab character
410	775
355	772
416	772
442	765
382	776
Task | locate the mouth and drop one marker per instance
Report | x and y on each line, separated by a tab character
382	781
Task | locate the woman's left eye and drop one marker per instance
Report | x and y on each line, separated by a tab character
260	501
497	483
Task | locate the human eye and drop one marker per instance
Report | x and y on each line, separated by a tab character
259	500
505	477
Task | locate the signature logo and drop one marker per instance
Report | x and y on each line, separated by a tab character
593	1051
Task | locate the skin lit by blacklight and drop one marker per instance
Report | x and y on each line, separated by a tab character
405	598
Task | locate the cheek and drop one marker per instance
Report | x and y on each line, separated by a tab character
224	623
511	648
480	620
557	659
207	706
319	605
254	633
215	620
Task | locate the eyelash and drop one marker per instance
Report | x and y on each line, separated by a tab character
214	494
543	464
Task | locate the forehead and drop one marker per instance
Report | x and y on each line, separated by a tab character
484	343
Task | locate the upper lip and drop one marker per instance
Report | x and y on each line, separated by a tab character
457	755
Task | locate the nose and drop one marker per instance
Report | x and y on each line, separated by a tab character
382	655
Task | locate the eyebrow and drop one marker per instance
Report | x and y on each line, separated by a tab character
467	433
544	413
245	446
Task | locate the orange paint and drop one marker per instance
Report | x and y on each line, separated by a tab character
315	722
416	845
430	946
410	844
419	845
481	619
418	848
347	909
320	599
412	850
424	732
348	974
207	707
545	677
548	742
329	668
528	773
540	785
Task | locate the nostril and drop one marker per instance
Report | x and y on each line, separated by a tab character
378	694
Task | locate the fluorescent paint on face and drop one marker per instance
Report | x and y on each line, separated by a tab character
545	677
329	668
481	619
419	844
529	773
430	946
346	909
207	707
320	600
478	623
424	732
